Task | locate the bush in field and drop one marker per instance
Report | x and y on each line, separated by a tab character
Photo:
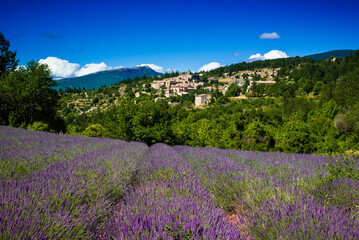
94	130
38	126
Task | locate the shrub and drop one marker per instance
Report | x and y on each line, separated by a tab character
39	126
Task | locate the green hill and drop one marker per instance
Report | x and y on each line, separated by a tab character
96	80
335	53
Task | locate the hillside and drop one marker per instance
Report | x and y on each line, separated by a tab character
302	108
335	53
96	80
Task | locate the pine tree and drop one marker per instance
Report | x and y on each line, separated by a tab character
8	61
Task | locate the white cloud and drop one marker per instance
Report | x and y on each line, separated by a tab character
60	68
274	54
272	35
154	67
257	56
209	66
92	68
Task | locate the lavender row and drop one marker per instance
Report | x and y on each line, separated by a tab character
90	188
303	219
68	199
271	190
23	152
170	203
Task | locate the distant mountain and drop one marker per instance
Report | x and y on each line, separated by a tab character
109	77
335	53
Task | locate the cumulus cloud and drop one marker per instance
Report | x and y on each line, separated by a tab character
60	68
209	66
154	67
274	54
272	35
257	56
92	68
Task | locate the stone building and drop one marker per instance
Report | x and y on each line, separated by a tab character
202	99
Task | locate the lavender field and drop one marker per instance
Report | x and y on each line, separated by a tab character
72	187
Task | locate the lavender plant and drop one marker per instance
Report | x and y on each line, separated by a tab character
68	199
170	204
71	187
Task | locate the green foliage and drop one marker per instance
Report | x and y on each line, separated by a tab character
26	97
8	61
233	90
38	126
317	87
94	130
330	109
95	100
222	100
149	122
346	89
295	137
258	137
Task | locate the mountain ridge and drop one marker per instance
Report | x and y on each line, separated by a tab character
334	53
108	77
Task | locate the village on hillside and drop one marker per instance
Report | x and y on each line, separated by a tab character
187	82
174	87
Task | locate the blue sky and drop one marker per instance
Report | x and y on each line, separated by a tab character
174	34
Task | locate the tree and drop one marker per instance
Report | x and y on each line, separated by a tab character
295	138
317	87
258	137
26	97
148	122
346	89
233	90
8	61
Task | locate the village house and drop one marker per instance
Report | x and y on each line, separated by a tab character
202	99
179	88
